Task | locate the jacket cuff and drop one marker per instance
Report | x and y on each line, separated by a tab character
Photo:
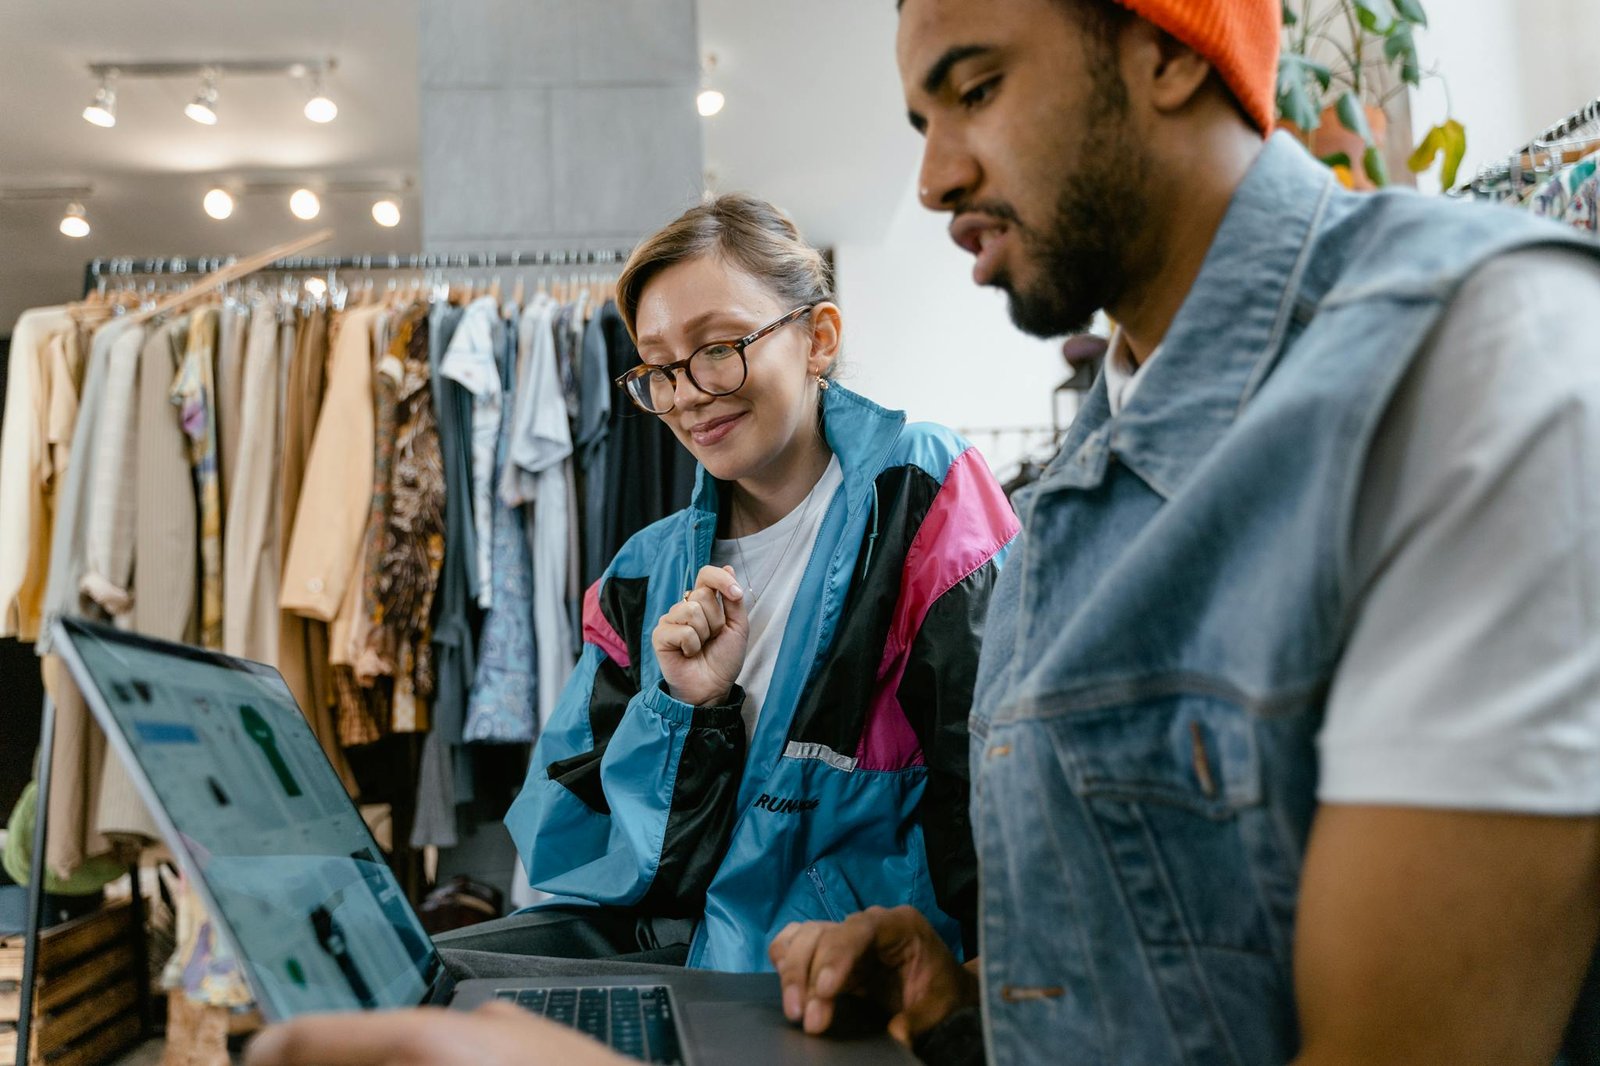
662	702
956	1041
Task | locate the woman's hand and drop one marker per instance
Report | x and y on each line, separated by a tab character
701	642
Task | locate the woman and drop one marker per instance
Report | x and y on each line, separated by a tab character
768	722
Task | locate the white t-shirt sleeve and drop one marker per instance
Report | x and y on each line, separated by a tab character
1471	679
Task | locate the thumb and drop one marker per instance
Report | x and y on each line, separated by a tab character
736	611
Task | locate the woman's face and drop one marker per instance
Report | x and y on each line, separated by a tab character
773	416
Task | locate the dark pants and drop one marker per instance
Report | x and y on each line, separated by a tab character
566	942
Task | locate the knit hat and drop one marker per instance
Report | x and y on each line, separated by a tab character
1240	38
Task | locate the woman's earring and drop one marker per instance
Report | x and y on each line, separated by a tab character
822	383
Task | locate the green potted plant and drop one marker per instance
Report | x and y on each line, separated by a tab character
1342	62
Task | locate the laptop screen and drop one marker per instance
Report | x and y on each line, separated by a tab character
319	918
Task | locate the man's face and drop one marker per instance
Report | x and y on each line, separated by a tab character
1027	146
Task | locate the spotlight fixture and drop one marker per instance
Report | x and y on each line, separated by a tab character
710	101
102	110
75	223
218	204
203	108
320	108
386	213
305	205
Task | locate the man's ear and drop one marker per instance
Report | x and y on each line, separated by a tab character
1169	72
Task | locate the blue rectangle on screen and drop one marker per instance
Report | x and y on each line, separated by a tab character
166	733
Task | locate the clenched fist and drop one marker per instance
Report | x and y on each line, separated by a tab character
700	643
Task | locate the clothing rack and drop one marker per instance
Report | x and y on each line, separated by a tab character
1524	161
126	266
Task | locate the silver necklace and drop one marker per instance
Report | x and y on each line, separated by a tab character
800	523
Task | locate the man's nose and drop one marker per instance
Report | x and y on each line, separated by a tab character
949	172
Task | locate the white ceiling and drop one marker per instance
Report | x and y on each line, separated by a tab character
150	171
813	122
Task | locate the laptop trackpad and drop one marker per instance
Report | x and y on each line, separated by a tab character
739	1033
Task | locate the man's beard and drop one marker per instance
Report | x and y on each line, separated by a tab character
1081	258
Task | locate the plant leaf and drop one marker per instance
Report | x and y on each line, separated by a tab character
1353	117
1296	102
1402	45
1449	140
1372	162
1410	10
1427	149
1289	17
1336	160
1455	150
1377	16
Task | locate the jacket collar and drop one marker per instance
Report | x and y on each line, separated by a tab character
1226	336
860	433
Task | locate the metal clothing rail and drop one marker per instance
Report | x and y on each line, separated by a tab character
1514	166
126	266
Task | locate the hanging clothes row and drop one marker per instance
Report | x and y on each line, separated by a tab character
393	489
1556	175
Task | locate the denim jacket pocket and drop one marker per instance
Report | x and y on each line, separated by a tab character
1172	786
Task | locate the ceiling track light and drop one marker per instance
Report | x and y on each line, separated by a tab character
320	108
710	101
218	203
305	204
203	108
102	109
386	213
75	223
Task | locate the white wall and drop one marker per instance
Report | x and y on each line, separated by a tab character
920	335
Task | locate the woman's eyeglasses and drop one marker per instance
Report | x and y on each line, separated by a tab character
716	369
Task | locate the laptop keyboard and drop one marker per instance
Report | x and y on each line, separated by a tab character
635	1020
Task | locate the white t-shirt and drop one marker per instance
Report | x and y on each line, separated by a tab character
1471	678
769	565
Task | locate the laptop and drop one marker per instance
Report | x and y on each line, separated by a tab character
262	827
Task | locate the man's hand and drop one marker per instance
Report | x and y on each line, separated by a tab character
700	643
891	956
496	1034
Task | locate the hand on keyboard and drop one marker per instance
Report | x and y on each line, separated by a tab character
496	1034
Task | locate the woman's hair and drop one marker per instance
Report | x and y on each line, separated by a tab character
741	230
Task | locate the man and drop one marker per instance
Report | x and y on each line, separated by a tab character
1286	743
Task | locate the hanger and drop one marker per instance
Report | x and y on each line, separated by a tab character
218	278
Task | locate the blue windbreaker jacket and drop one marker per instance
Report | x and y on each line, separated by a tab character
853	791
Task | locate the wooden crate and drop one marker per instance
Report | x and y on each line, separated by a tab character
86	1010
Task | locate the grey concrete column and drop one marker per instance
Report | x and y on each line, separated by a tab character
556	123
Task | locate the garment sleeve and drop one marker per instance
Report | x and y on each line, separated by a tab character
1471	677
630	794
956	1041
960	549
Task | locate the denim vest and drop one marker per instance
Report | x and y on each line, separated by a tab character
1160	647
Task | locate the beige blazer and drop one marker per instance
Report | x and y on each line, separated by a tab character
24	459
109	537
336	494
165	524
249	551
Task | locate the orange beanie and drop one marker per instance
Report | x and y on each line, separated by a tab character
1240	38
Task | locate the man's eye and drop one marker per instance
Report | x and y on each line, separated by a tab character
979	93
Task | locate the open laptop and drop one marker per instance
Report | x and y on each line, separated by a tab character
261	825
